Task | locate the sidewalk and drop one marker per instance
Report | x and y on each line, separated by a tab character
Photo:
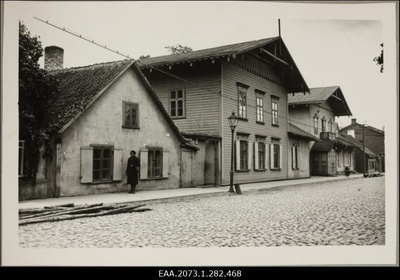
110	198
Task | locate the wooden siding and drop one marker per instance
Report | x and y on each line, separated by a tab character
202	106
231	75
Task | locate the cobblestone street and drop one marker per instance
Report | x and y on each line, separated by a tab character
348	212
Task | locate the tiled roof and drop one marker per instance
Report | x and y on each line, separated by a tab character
79	87
296	131
206	53
320	95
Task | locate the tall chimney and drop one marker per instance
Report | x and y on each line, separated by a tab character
53	58
353	121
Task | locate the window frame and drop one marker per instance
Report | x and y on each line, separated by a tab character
330	126
176	100
135	125
244	154
260	118
151	169
276	151
242	108
295	157
274	111
315	124
21	158
101	168
323	124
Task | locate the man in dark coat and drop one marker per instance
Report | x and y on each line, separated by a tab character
132	170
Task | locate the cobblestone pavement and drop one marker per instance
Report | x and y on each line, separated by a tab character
350	212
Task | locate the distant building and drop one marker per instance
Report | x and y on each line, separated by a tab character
315	113
374	140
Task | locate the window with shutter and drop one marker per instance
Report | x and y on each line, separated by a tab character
276	154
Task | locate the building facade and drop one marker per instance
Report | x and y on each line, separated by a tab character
104	111
201	89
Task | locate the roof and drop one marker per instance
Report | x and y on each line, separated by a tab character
227	51
79	87
322	146
379	131
349	140
298	132
332	94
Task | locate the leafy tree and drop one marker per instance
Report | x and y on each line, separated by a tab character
36	88
379	59
144	56
177	49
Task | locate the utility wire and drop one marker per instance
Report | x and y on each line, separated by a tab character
218	92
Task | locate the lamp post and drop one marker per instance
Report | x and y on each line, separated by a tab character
233	121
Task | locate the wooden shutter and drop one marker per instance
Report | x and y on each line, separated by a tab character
271	156
280	156
249	155
144	158
165	168
293	157
266	155
256	156
86	164
237	154
117	165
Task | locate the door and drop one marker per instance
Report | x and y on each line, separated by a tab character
186	169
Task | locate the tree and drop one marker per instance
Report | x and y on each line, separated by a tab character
177	49
144	56
379	59
36	89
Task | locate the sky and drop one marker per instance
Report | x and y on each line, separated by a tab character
331	44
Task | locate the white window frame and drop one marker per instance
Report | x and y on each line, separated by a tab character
259	106
176	101
295	157
258	157
242	100
275	145
274	110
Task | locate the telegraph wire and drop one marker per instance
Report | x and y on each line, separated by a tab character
218	92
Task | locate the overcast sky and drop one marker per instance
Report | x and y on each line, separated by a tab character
331	44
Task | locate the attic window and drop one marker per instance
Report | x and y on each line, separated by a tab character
130	115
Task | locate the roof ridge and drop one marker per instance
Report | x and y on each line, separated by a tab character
210	48
90	65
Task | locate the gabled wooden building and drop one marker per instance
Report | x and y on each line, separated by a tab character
200	90
316	113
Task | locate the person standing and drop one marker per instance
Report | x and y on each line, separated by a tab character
132	170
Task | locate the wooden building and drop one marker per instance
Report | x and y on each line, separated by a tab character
374	141
315	113
200	90
102	112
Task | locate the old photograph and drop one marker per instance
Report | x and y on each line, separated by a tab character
219	133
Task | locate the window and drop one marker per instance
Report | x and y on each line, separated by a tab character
274	110
371	164
260	106
130	115
260	153
330	125
177	103
347	159
243	154
276	154
102	158
295	157
155	164
101	163
21	162
242	100
323	124
242	158
315	124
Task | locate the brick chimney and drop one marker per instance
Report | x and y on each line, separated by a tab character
353	121
53	58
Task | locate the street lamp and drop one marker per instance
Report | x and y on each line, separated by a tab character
233	121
